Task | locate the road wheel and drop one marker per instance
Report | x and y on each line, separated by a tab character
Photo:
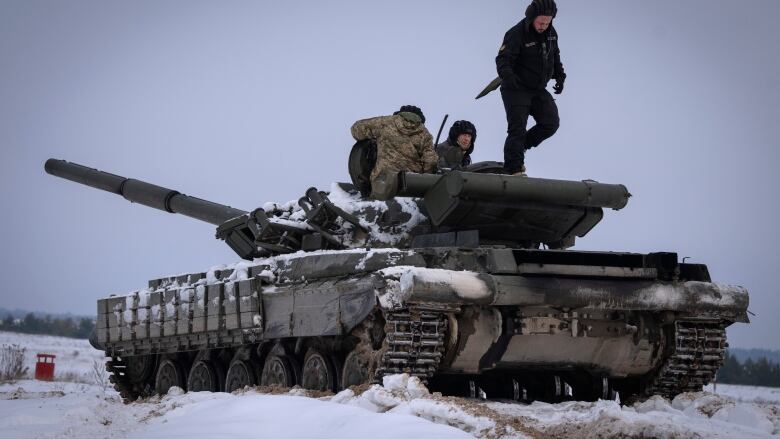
169	374
203	377
278	371
139	368
239	375
355	370
318	372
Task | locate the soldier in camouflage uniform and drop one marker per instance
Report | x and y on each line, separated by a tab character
403	144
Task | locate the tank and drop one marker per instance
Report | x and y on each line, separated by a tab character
465	279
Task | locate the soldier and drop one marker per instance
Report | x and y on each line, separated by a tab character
455	152
527	60
403	144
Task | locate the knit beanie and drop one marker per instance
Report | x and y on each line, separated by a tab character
541	7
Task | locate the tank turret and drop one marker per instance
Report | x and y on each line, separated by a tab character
458	208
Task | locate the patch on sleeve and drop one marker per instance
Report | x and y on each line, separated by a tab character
503	46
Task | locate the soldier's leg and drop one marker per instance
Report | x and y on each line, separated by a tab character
517	105
545	113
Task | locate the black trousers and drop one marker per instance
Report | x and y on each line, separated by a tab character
519	104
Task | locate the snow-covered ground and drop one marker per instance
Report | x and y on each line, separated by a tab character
402	407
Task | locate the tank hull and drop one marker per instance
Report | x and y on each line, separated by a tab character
435	312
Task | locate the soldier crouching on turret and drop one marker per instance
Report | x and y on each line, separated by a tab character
455	152
403	144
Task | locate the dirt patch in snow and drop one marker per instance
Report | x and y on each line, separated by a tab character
361	389
269	390
506	425
20	393
608	427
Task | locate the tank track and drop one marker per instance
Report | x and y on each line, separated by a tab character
698	351
414	343
128	390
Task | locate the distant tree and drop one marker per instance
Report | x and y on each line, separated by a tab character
775	375
47	326
762	372
749	367
743	354
85	328
69	327
31	324
731	371
64	327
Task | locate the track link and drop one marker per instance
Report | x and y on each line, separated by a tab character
698	351
414	343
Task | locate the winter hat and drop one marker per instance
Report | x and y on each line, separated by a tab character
411	109
462	127
541	7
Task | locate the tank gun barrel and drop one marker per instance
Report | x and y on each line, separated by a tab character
477	186
141	192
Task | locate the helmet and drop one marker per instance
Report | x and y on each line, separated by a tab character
412	109
541	7
462	127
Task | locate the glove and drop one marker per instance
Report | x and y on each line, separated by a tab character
511	81
558	87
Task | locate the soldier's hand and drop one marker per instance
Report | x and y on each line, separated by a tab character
558	87
511	81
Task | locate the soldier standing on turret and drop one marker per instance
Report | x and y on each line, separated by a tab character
527	60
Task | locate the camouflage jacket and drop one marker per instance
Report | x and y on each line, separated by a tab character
402	144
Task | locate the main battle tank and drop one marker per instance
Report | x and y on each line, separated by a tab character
464	279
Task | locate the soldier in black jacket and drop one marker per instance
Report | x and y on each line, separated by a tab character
527	60
455	152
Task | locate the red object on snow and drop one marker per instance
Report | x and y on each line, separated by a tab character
44	367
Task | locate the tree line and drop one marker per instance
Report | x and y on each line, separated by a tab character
759	372
63	327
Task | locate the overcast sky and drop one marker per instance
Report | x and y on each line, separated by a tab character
247	102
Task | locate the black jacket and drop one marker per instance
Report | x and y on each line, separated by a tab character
533	57
453	157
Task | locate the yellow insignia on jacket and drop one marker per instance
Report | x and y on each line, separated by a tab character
503	46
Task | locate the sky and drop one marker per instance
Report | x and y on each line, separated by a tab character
244	102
